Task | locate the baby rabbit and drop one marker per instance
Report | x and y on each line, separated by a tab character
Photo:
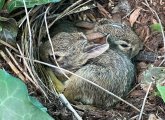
110	68
67	47
120	34
117	32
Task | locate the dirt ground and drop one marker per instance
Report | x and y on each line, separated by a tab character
140	18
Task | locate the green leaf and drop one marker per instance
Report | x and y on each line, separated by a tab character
156	76
153	74
161	90
13	4
2	4
8	30
37	104
15	103
156	27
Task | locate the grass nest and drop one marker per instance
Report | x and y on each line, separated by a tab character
24	56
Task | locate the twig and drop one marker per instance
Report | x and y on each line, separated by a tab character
72	11
17	14
13	67
64	12
128	14
19	67
144	101
162	109
133	89
68	11
134	117
20	22
33	72
29	29
43	85
68	105
161	62
8	45
34	81
108	92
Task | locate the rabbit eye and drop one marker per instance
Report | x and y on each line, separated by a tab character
57	57
52	58
124	45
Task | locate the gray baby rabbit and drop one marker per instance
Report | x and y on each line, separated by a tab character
70	51
120	34
110	68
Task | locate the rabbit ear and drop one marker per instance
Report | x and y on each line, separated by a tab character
96	50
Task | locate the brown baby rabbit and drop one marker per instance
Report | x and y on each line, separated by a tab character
109	68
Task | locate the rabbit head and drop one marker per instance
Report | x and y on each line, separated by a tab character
72	50
120	37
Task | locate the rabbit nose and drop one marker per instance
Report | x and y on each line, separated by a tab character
60	63
63	64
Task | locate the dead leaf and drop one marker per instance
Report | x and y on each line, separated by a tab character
154	21
103	11
153	117
137	93
134	16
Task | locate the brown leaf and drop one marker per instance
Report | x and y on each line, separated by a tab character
103	11
137	93
134	16
154	21
153	117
